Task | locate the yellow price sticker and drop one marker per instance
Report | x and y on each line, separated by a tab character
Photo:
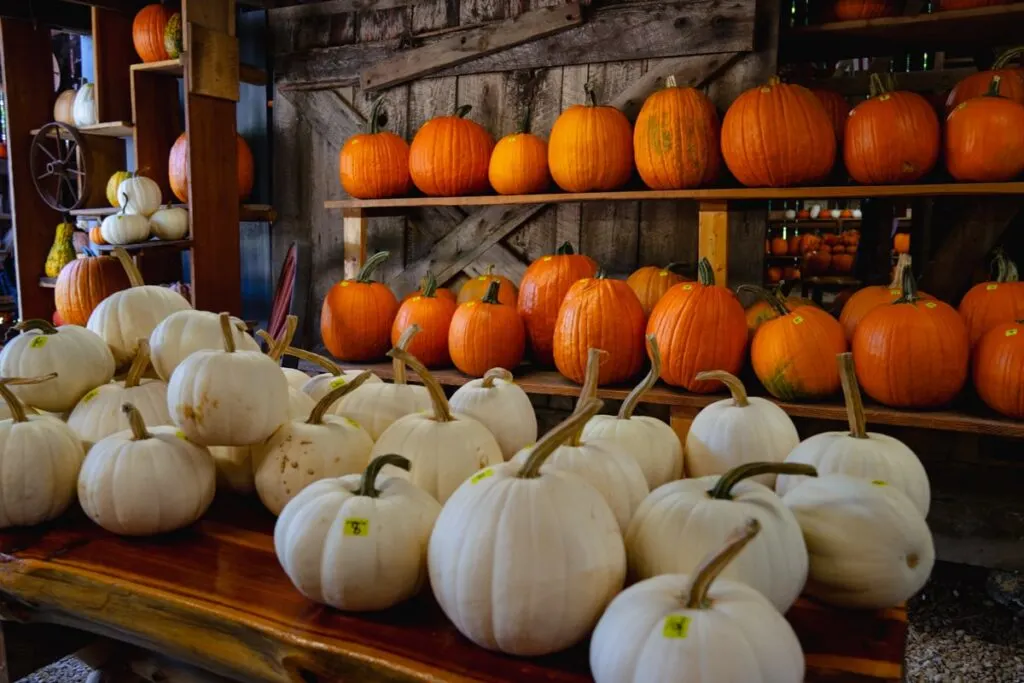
930	304
894	293
357	526
417	298
91	395
992	287
481	475
663	273
798	320
38	342
546	259
345	283
470	304
676	626
482	278
879	482
352	423
1012	332
181	435
687	288
338	382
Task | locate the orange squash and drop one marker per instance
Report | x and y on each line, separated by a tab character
486	334
837	109
983	140
96	235
433	314
356	318
148	32
450	156
591	147
1011	84
375	164
762	310
998	364
475	288
869	298
177	168
991	303
83	283
779	246
519	163
651	282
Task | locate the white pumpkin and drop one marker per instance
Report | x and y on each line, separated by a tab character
860	453
696	627
124	228
648	440
169	223
737	430
682	521
318	386
869	546
502	406
141	482
83	111
39	457
296	378
125	317
182	333
81	360
523	559
140	195
299	404
356	543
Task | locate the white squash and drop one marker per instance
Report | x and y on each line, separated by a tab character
81	360
682	521
139	195
523	559
502	406
124	228
125	317
318	386
39	457
83	111
648	440
737	430
356	543
229	397
869	546
299	404
183	333
861	453
141	481
696	627
169	223
99	413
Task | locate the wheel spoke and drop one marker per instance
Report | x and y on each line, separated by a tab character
45	175
76	171
71	188
72	148
42	147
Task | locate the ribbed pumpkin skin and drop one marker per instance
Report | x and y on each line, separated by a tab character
591	149
484	336
778	135
177	168
794	355
475	288
989	304
374	165
760	311
519	165
440	292
891	139
1011	86
544	285
999	369
450	156
837	109
847	10
356	318
148	32
602	314
650	284
866	300
676	140
946	5
983	140
434	315
84	283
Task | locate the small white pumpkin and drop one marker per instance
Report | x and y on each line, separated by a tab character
318	386
141	482
443	447
648	440
83	111
869	546
696	626
81	360
682	521
523	559
502	406
182	333
356	543
737	430
169	223
140	195
124	228
228	397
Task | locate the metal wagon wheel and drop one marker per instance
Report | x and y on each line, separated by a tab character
57	161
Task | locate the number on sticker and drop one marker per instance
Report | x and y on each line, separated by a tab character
357	526
687	288
676	626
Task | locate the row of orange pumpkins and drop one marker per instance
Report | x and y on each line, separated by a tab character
848	10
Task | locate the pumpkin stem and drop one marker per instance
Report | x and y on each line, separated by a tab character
371	265
705	273
670	81
557	436
430	287
397	365
908	285
732	383
368	484
993	88
675	267
134	276
493	374
1005	58
716	562
524	123
138	366
124	204
879	87
629	405
722	490
1006	270
462	111
589	389
902	264
442	413
491	296
14	404
135	421
852	397
227	332
375	111
600	274
316	416
327	364
777	303
565	250
291	325
591	98
44	326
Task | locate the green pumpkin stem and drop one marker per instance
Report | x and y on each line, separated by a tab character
722	490
600	274
1006	270
44	326
1007	57
776	302
591	98
138	366
368	484
731	382
430	286
589	389
228	333
565	250
629	404
462	111
495	374
327	364
491	295
372	263
135	421
316	416
442	411
713	565
705	273
908	286
670	81
524	123
851	396
375	111
397	364
558	436
993	87
14	404
902	263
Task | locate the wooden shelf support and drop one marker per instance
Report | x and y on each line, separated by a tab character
713	238
354	231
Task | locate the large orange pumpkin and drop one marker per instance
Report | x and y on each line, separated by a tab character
912	353
434	315
867	299
148	32
486	334
475	288
891	138
356	318
177	168
1011	84
947	5
983	138
837	109
375	164
990	303
84	283
761	310
519	163
591	147
777	135
699	326
450	156
847	10
999	369
651	282
676	139
544	285
603	314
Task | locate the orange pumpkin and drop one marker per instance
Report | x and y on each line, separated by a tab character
699	326
848	10
793	245
96	235
148	32
867	299
778	135
375	164
486	334
356	318
651	282
591	147
774	275
947	5
434	315
83	283
519	164
901	242
999	369
983	140
177	168
837	109
441	292
780	247
912	353
450	156
762	310
991	303
790	273
1011	84
676	139
842	263
475	288
544	285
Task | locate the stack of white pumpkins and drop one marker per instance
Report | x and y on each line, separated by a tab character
141	215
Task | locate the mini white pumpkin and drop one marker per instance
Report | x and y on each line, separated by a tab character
169	223
682	521
139	195
860	453
815	210
228	397
502	406
83	110
141	482
648	440
443	447
182	333
124	228
523	559
318	386
81	360
696	627
869	546
356	543
737	430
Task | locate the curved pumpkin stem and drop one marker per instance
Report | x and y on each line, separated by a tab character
1007	56
14	403
464	110
777	303
993	87
327	364
591	98
368	484
629	404
135	421
557	436
372	263
589	389
713	565
227	332
1006	270
732	383
134	276
442	412
493	374
291	325
670	81
565	250
491	295
852	397
908	285
705	273
316	416
430	287
375	111
397	364
524	126
138	366
902	263
44	326
879	87
723	487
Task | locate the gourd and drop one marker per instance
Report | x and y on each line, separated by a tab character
145	481
433	315
590	148
81	360
84	283
148	31
127	316
554	518
182	333
485	334
169	223
837	109
356	318
999	369
1011	84
869	298
83	111
848	10
304	450
990	303
63	107
449	156
113	197
318	386
139	194
374	164
648	440
736	431
651	282
373	524
62	252
983	143
474	289
172	36
869	546
658	628
443	447
676	139
40	458
177	168
699	326
96	237
501	405
123	227
229	397
519	162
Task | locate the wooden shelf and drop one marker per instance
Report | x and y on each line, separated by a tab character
247	212
48	282
112	129
176	68
142	246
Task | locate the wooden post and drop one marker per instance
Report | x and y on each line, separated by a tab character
713	241
113	54
354	227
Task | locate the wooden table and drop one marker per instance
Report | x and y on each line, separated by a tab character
214	595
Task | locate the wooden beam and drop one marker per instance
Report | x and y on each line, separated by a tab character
211	60
52	13
113	54
128	7
505	261
157	125
283	12
713	239
690	72
354	230
915	81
